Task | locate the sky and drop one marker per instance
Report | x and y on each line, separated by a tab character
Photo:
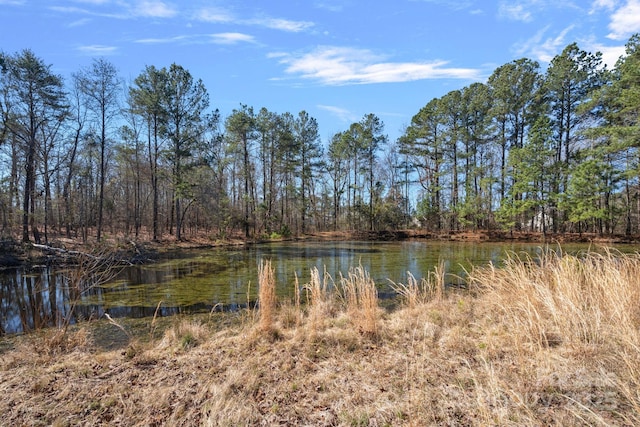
337	60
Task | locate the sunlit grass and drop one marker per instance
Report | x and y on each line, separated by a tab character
361	297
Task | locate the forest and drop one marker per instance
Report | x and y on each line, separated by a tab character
549	151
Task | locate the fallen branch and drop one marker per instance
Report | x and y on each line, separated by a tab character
63	251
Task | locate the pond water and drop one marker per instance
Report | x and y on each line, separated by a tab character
227	278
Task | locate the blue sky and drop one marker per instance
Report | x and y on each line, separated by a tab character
338	60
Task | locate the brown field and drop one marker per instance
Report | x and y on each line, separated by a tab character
550	341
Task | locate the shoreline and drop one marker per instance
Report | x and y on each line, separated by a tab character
15	254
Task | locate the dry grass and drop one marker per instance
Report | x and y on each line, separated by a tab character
267	299
587	300
416	293
320	298
361	296
549	341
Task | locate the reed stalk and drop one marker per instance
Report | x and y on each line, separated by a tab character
267	299
361	297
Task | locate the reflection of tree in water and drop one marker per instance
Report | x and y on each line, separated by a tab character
31	299
41	297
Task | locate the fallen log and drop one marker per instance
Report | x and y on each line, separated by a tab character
64	251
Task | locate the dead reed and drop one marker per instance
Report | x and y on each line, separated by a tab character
416	293
267	299
320	298
361	296
561	298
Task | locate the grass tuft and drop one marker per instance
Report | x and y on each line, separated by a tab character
320	298
267	299
416	293
185	335
361	296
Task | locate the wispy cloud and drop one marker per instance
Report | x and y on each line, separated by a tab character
514	12
12	2
154	9
343	114
625	21
452	4
219	15
232	38
213	14
97	50
331	6
280	24
544	48
164	40
121	10
218	38
79	23
92	1
602	4
528	10
336	66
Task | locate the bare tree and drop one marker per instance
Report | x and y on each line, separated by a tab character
101	88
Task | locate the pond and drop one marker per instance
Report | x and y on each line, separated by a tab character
226	278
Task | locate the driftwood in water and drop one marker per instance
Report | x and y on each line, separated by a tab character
109	256
64	251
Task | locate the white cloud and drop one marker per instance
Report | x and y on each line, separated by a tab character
175	39
154	9
12	2
625	21
341	113
610	54
98	50
92	1
527	10
342	65
217	15
220	38
71	9
280	24
330	6
602	4
232	38
121	10
453	4
514	12
79	22
212	14
544	49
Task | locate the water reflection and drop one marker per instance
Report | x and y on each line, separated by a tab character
226	278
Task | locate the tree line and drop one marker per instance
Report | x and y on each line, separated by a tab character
550	151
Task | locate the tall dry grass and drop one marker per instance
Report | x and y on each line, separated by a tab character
320	298
361	297
586	305
429	288
560	298
267	299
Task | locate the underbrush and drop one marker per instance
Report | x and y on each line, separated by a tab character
546	341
